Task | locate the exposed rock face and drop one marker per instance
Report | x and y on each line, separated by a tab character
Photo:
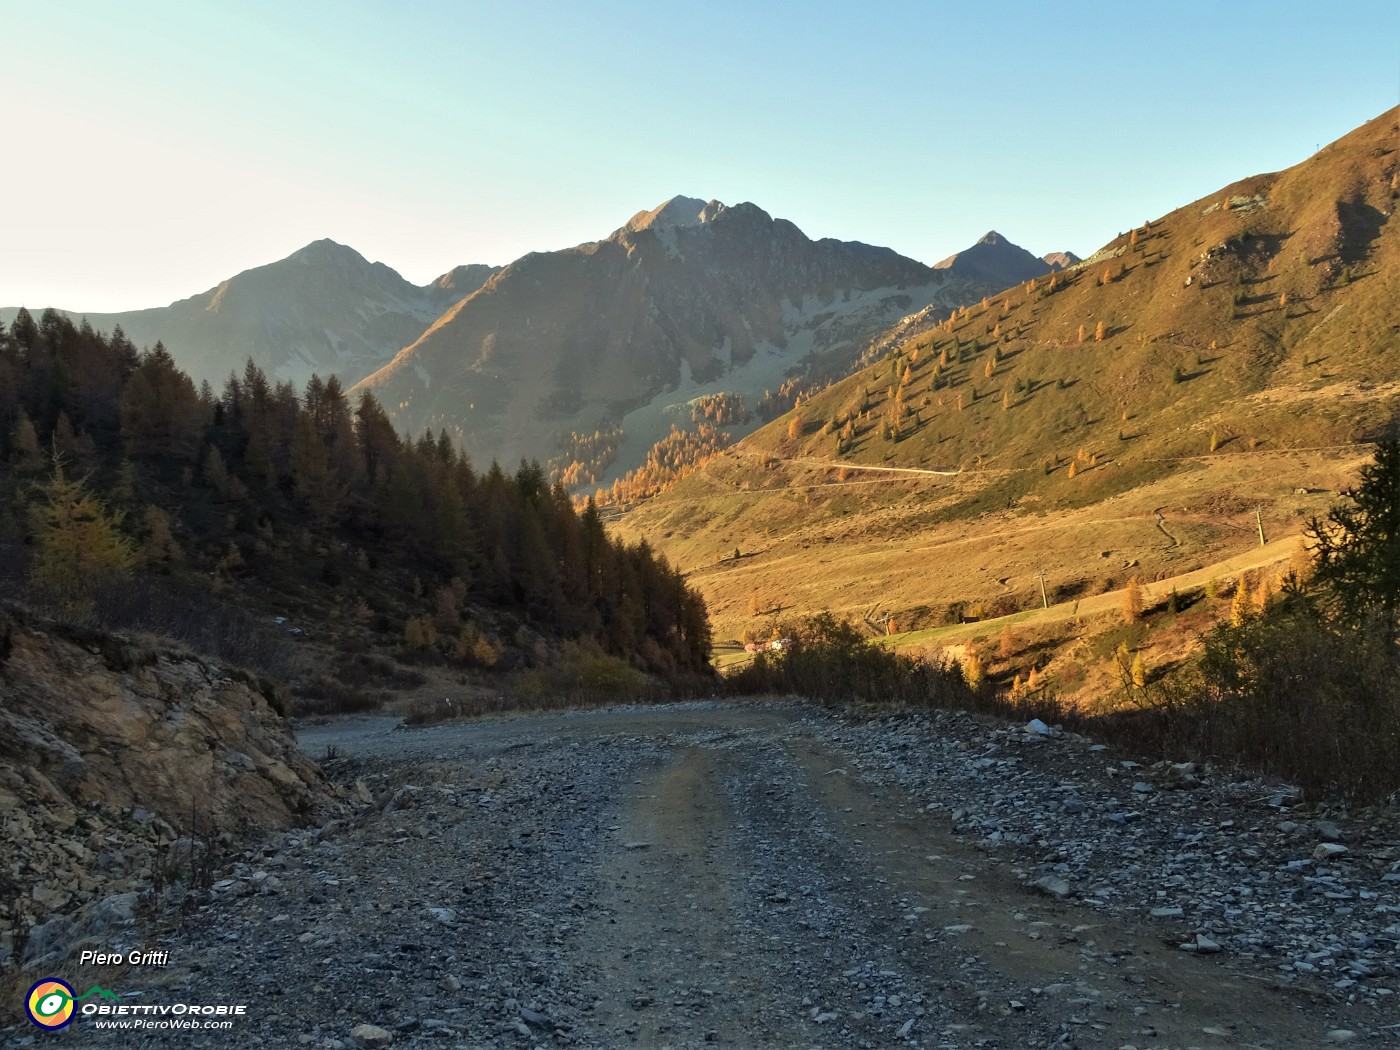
1061	260
120	765
324	309
685	298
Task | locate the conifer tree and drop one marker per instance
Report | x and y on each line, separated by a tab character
1132	601
1241	606
974	671
158	546
1358	544
24	445
1006	648
80	543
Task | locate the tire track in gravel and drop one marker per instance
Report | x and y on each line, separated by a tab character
1122	983
674	965
747	876
756	894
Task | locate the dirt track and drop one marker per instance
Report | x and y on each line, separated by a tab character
770	876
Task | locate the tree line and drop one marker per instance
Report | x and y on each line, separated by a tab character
263	488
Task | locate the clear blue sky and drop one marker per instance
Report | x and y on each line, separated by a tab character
155	147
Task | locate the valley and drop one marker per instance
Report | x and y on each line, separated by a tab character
458	591
898	549
1141	414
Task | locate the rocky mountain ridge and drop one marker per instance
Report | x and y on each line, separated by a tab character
688	299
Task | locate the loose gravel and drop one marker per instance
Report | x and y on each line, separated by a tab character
779	875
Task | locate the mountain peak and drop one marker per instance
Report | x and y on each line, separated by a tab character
325	248
994	261
678	211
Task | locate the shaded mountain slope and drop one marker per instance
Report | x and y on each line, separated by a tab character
687	299
324	309
997	263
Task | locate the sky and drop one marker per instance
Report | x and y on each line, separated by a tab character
156	148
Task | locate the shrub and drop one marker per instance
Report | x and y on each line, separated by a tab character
829	659
583	674
1296	694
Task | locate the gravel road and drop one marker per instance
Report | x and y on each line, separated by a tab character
776	875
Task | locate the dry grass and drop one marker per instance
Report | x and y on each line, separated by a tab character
1204	401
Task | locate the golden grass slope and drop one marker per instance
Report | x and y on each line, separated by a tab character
1230	357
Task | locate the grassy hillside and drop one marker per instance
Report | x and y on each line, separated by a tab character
1232	357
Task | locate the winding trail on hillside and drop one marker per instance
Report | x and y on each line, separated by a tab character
836	465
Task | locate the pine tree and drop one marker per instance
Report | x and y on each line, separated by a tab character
158	546
1098	332
1241	606
80	543
25	452
1264	592
1132	601
1358	544
974	671
1300	564
1138	672
1007	646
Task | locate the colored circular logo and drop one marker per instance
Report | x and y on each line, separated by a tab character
50	1003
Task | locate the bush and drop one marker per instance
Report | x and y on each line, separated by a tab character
328	695
829	659
1289	693
583	674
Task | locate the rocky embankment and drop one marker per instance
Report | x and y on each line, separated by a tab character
127	771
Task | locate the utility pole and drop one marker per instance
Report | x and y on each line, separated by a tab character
1044	601
1260	522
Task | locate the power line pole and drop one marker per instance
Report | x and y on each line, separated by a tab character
1044	601
1260	522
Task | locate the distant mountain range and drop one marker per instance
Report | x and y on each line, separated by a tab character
995	261
691	298
324	309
